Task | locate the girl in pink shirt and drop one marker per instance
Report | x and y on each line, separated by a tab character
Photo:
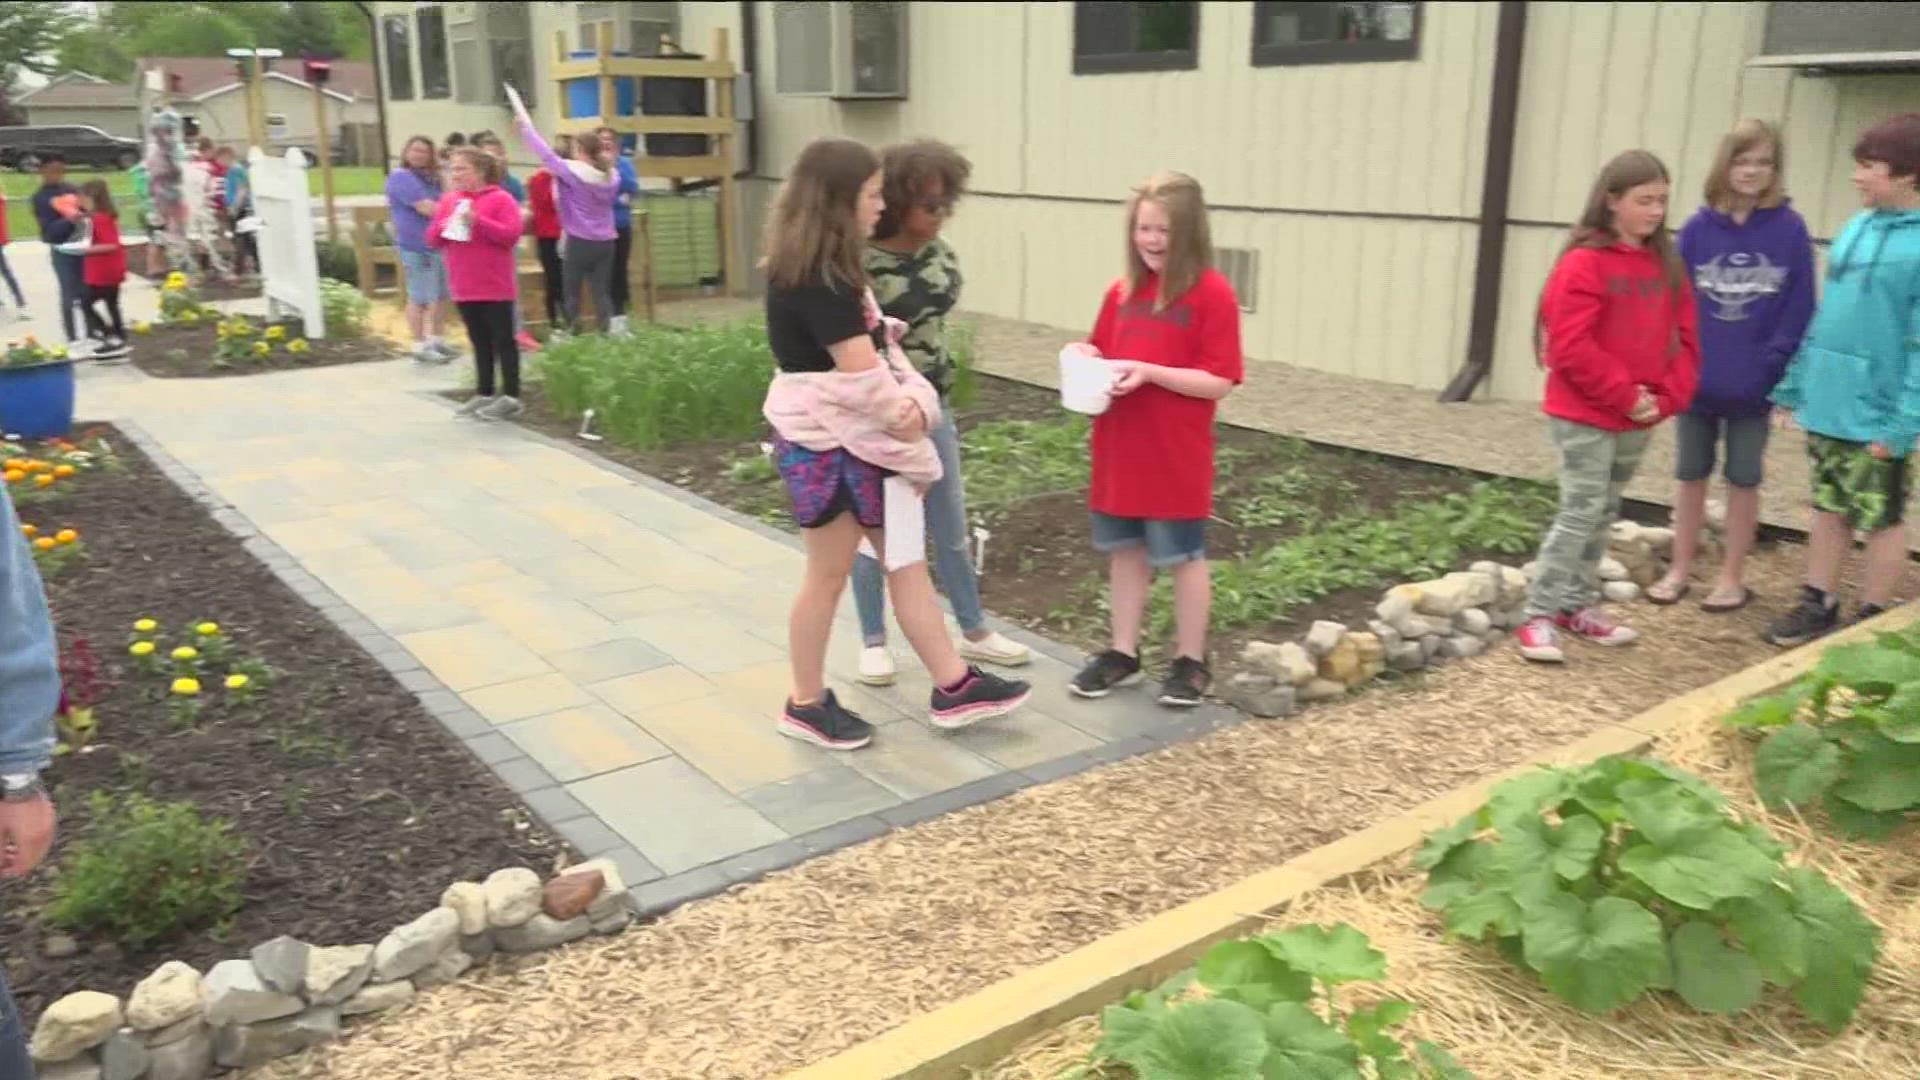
476	227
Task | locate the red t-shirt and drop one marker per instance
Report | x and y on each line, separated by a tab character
1153	448
546	214
110	268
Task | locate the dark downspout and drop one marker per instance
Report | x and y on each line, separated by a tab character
750	63
1510	38
379	78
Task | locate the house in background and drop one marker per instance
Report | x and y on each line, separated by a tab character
1391	180
209	91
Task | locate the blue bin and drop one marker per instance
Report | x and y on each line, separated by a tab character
37	402
583	96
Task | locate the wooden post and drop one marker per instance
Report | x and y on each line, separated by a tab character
326	158
723	149
256	107
604	46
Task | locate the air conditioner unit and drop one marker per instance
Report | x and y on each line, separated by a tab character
840	48
1851	37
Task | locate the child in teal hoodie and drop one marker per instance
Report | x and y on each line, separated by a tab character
1855	385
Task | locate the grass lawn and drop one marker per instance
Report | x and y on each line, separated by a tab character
19	188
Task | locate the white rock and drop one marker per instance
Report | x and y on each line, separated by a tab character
1620	592
1323	637
1430	646
1415	627
409	948
378	998
468	899
1530	571
75	1024
171	994
186	1058
1460	647
1660	539
173	1033
1323	690
337	972
237	995
244	1046
447	967
124	1056
541	932
1472	621
1455	593
513	896
1625	532
1513	587
1395	607
1510	618
615	922
1259	695
1389	637
613	888
1487	567
1406	656
1716	515
478	946
1286	662
281	963
1612	569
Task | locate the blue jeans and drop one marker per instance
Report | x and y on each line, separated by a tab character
947	525
15	1062
13	283
70	271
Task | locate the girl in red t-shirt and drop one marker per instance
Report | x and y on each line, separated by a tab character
1615	331
1171	332
104	269
546	233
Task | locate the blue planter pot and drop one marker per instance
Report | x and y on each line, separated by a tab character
37	402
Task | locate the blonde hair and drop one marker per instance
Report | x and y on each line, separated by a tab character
812	235
1189	241
1594	229
1746	135
483	162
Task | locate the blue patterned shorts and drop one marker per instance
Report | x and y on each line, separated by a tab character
823	484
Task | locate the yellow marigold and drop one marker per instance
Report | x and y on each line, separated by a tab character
67	536
237	681
13	476
143	328
145	626
44	480
261	348
186	652
45	543
186	687
207	629
141	648
276	333
298	346
31	530
64	470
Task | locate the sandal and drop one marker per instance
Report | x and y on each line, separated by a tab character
1665	594
1725	606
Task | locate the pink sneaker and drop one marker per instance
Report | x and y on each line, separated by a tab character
1539	641
1596	626
526	342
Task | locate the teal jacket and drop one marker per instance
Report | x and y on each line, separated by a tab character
1857	375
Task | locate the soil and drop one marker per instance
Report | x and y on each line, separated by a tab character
356	807
177	351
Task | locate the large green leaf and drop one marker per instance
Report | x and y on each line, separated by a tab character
1301	1046
1898	717
1870	667
1771	711
1369	1028
1597	957
1881	774
1842	945
1770	933
1333	955
1440	1064
1441	842
1526	796
1710	975
1695	864
1794	765
1123	1028
1663	812
1250	973
1861	824
1212	1039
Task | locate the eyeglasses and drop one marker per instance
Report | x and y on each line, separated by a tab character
936	207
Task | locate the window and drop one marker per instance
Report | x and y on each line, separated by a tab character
644	36
1340	33
1110	36
399	43
513	63
276	125
435	81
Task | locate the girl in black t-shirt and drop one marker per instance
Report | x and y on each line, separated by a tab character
831	345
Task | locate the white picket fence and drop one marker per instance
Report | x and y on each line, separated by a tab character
289	265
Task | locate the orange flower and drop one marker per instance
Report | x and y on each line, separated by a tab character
31	531
64	470
66	536
13	476
45	543
43	480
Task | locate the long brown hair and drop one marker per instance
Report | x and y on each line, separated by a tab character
812	234
1746	135
433	157
1189	240
1628	170
102	199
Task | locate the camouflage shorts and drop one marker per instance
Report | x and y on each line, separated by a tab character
1849	480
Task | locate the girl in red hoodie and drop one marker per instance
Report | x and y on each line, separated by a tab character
476	228
1615	331
546	233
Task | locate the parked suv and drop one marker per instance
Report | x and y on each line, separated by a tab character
83	145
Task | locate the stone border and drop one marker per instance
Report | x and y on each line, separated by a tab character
983	1027
287	995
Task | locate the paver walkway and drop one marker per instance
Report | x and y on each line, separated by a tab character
613	647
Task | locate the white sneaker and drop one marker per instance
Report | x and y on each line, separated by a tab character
427	354
502	408
79	350
617	324
471	407
876	666
24	316
995	648
447	351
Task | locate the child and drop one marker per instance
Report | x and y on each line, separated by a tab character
237	188
587	187
488	141
413	194
546	236
1751	262
622	225
1855	385
1175	321
477	226
848	410
13	283
60	227
104	270
1621	356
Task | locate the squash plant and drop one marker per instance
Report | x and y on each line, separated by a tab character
1270	1014
1847	735
1628	876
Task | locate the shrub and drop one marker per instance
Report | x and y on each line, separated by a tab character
148	869
662	385
346	311
337	262
1629	875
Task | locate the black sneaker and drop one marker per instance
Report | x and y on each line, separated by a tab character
826	723
1815	616
980	697
1104	672
1186	684
1868	611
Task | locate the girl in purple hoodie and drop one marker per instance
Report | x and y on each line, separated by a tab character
1751	261
585	188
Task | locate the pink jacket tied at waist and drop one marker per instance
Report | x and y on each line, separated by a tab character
827	410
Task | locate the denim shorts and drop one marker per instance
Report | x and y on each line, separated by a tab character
1697	438
1169	543
426	276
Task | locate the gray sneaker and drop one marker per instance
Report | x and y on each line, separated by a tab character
445	350
472	407
502	408
427	354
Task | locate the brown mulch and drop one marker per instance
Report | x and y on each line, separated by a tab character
186	351
814	959
358	809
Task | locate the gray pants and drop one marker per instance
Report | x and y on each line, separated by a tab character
588	264
1595	466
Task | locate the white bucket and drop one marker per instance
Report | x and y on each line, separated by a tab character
1084	382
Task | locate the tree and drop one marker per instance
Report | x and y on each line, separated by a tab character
30	34
127	32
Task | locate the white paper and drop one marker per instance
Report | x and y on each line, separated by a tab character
906	527
513	98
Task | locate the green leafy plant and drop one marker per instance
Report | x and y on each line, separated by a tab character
1628	876
1270	1011
148	869
344	309
661	385
337	262
1845	736
1010	461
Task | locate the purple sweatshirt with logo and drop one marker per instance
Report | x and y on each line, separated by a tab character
1753	283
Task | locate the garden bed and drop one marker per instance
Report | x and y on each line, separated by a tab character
191	351
245	288
355	807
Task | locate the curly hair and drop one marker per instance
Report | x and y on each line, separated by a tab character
908	167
